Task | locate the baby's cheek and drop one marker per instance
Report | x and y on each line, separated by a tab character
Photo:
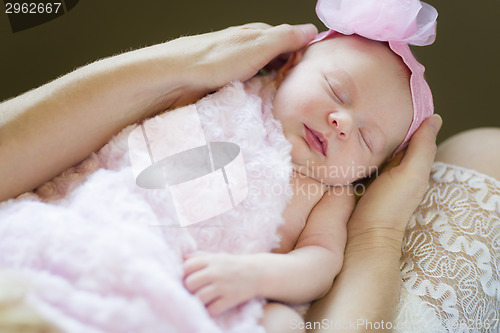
352	172
299	151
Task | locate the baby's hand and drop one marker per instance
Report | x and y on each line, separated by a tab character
221	281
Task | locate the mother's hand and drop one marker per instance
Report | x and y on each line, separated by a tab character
75	115
238	53
392	198
367	288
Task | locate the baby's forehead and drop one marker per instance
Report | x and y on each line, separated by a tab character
354	47
356	51
352	44
337	50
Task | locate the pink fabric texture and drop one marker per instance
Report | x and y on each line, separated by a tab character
100	254
398	22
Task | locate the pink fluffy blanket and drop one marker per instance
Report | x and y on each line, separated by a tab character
89	245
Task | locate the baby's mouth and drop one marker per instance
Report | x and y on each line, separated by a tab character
316	140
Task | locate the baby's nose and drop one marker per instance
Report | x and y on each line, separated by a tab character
342	123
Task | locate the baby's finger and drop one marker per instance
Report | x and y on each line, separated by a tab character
192	265
207	294
196	280
220	306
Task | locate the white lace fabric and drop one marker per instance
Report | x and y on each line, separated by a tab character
450	267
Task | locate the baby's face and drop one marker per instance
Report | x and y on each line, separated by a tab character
345	107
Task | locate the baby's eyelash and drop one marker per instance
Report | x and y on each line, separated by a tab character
364	140
332	89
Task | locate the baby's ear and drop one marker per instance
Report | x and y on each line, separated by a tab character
293	60
297	56
289	59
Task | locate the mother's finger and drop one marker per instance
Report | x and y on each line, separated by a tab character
256	25
290	38
422	148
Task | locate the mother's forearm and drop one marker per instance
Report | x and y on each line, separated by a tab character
49	129
366	292
57	125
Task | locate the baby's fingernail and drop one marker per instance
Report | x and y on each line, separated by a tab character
436	121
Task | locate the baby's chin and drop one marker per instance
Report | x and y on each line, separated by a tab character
328	175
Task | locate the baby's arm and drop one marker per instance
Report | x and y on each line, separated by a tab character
222	281
307	272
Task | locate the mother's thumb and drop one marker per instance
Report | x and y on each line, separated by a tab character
422	148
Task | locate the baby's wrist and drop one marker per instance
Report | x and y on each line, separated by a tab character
257	269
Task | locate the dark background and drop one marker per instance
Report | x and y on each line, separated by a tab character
463	67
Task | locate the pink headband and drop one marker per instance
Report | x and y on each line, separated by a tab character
399	22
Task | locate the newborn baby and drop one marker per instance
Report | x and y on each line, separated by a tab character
346	105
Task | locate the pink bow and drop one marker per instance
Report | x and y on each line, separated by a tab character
409	21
